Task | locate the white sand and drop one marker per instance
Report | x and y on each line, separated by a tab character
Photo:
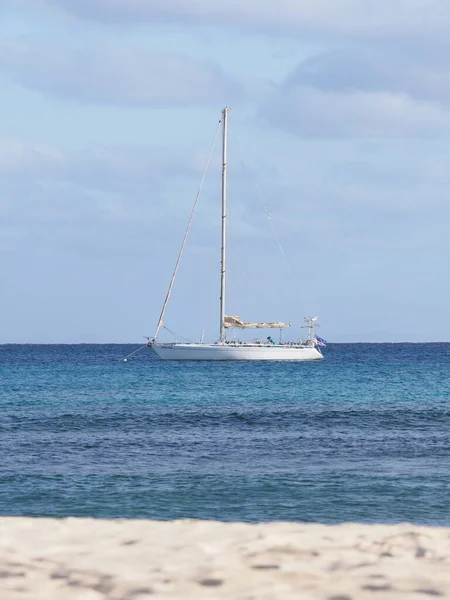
84	559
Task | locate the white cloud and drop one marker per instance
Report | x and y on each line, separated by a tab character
115	74
370	88
95	163
420	69
385	73
310	112
17	155
353	17
41	186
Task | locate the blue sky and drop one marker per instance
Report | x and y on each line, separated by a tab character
340	115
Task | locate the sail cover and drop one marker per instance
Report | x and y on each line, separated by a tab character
238	323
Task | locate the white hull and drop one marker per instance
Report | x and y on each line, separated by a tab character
235	352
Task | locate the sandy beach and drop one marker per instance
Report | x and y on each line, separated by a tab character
85	559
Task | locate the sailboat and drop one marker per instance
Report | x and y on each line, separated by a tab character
232	350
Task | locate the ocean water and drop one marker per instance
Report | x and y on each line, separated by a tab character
362	436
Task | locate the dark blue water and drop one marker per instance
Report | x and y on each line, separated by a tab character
362	436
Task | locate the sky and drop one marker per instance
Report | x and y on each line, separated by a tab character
339	129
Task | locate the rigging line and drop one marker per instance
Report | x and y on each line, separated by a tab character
125	358
177	264
176	335
261	197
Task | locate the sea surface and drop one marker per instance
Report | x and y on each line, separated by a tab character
362	436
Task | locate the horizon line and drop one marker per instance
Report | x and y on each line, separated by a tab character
137	343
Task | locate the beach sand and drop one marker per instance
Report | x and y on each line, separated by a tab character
85	559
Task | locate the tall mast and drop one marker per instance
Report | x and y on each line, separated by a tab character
224	225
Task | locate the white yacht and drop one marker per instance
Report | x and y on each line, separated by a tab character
225	349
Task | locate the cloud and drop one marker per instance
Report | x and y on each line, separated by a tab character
385	72
115	74
367	89
96	165
309	112
351	17
18	156
105	225
99	191
420	70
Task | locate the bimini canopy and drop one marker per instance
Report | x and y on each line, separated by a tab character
238	323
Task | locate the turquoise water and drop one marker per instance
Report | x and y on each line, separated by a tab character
362	436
